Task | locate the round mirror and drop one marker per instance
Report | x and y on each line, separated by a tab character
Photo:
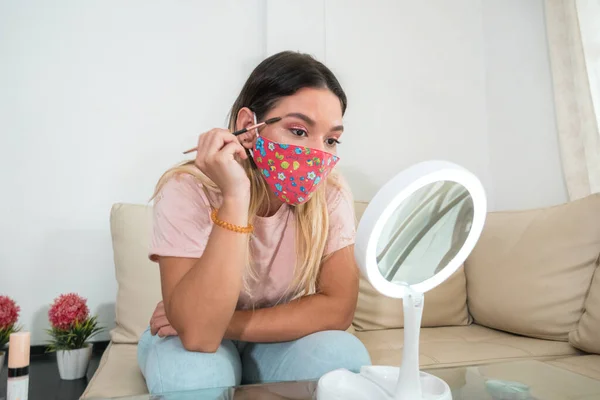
426	230
420	227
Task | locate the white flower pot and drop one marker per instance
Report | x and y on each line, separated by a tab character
2	355
73	364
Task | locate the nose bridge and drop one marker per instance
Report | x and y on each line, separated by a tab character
317	142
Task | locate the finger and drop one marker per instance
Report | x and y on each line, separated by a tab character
217	140
154	328
230	150
161	321
167	331
201	140
158	323
207	141
158	312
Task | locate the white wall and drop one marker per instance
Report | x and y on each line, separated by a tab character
95	105
100	97
523	140
414	73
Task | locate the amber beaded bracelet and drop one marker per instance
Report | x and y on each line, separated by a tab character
228	226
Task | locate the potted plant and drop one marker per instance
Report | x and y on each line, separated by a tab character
9	314
72	326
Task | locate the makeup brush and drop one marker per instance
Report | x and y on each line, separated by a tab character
237	133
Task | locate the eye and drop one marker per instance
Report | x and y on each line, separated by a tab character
332	142
298	132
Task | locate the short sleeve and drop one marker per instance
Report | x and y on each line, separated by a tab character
181	220
342	219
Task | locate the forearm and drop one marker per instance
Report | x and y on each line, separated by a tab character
202	304
291	321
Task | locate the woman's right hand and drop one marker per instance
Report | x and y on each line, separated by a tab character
215	157
159	324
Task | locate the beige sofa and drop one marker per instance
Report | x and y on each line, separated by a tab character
530	290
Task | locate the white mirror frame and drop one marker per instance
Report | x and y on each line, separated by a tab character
389	198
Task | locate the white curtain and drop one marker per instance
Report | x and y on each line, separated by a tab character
573	29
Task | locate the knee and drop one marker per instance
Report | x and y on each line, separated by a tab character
338	349
143	349
315	355
169	367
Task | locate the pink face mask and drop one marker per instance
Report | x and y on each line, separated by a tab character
292	172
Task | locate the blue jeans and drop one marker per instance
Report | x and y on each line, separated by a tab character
168	367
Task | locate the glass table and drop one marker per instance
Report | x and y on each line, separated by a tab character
536	380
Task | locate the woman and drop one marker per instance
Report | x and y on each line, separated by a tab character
254	239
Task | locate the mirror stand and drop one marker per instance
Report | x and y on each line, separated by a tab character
406	382
409	382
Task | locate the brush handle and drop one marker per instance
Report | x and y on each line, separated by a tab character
236	133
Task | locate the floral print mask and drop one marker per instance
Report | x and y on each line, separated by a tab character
292	172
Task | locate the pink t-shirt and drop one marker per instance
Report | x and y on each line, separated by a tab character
182	225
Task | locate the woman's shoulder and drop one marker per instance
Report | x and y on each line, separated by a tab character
338	193
182	182
184	187
181	217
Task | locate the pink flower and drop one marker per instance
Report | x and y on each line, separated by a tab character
67	309
9	312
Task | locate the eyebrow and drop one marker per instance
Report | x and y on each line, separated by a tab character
311	122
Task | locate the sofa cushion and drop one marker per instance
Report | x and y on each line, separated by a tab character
445	305
461	345
138	278
359	210
587	335
531	270
117	375
585	365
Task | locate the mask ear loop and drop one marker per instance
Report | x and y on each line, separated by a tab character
248	152
255	122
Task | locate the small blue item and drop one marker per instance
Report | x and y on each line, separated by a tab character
507	390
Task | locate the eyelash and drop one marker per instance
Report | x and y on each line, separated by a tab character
293	130
335	141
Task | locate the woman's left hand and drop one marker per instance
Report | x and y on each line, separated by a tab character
159	324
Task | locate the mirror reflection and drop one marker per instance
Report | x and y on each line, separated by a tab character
425	232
